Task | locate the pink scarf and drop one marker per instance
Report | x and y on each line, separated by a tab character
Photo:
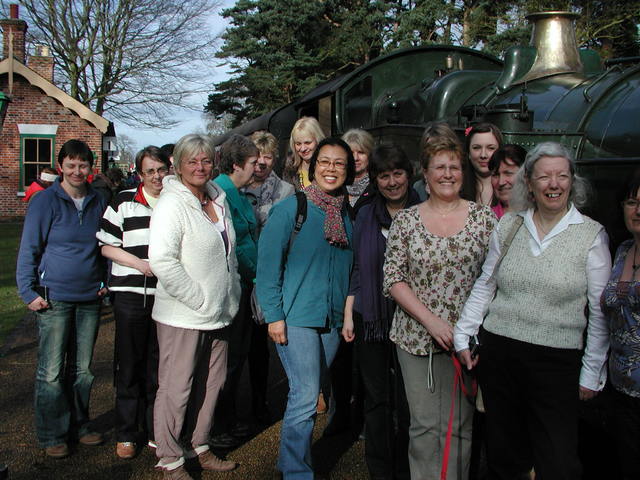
334	231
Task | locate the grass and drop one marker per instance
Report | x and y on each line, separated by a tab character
12	308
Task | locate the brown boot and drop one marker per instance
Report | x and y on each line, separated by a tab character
208	461
176	474
57	451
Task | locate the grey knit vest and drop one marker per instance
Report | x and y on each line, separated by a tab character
541	300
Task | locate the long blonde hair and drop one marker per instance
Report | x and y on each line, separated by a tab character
304	126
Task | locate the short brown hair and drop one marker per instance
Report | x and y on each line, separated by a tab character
235	151
438	145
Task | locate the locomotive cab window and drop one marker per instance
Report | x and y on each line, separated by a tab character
358	104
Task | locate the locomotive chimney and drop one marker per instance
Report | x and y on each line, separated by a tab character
554	38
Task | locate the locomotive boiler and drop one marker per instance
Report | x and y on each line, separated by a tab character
549	90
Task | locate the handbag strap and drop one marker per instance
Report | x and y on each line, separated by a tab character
458	381
517	223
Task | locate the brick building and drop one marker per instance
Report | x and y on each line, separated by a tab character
39	120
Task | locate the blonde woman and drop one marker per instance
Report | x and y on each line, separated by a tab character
305	136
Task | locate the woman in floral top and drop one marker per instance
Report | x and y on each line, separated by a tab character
621	304
435	252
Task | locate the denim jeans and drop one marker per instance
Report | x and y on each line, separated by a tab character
68	333
307	353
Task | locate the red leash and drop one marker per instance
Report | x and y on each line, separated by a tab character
458	380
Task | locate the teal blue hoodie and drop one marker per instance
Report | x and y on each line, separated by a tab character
310	290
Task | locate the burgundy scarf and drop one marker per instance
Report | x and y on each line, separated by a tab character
334	231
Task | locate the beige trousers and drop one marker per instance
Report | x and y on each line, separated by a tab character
191	373
429	408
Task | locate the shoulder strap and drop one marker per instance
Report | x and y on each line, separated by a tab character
301	216
507	243
351	211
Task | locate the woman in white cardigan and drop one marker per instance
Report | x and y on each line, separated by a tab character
191	251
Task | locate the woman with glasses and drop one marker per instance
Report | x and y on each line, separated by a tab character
434	254
540	353
621	306
192	252
302	284
124	238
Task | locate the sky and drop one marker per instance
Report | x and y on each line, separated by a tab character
189	121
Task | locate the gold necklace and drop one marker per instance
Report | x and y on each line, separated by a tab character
448	211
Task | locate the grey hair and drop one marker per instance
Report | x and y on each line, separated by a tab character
521	198
191	145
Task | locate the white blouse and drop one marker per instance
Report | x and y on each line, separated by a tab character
594	373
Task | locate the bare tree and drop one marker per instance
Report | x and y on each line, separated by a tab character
135	60
126	148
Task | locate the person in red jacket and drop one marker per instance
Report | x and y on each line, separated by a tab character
47	177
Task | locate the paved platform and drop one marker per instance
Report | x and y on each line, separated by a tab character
339	457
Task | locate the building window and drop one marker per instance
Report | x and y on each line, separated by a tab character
37	153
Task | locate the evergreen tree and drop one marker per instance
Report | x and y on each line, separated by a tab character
280	49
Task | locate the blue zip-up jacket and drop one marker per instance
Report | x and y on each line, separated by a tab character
59	248
311	288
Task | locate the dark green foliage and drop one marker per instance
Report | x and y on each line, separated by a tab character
278	50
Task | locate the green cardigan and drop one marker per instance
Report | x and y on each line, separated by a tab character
245	225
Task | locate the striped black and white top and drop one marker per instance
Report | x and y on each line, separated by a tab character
125	224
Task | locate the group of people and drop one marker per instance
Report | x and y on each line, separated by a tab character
484	265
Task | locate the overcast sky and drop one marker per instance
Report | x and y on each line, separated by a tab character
190	121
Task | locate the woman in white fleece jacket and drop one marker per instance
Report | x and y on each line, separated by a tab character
191	251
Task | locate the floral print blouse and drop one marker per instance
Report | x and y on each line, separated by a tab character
621	304
440	270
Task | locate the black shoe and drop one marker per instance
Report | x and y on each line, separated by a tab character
225	441
336	426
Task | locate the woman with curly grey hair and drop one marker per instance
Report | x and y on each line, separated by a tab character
546	264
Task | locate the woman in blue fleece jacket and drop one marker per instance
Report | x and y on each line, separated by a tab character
59	275
302	290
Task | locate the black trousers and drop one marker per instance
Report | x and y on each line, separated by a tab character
136	365
386	412
624	418
531	399
238	336
259	368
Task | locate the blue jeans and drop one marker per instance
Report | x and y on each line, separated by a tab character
308	352
68	333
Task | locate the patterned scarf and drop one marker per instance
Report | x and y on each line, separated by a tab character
334	231
356	189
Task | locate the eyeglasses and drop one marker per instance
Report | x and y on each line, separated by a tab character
152	171
205	163
337	164
631	204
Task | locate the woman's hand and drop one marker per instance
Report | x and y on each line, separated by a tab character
278	332
102	292
38	304
440	331
347	329
586	393
143	267
465	358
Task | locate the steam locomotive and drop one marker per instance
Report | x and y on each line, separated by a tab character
547	91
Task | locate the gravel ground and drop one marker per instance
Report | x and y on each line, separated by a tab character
338	457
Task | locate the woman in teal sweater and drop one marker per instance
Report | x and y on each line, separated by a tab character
238	157
302	289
